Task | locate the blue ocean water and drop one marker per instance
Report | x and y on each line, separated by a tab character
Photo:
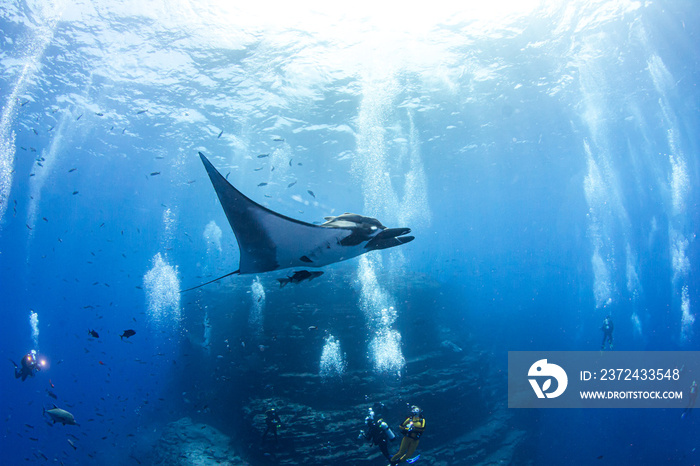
543	154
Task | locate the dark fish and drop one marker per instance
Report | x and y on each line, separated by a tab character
45	219
93	334
155	173
30	426
33	439
298	277
99	114
278	139
600	457
127	334
222	132
257	169
75	192
140	112
72	170
60	415
35	131
290	162
79	117
51	394
262	184
291	184
72	444
312	193
262	156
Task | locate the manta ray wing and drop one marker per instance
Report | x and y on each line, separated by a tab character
268	240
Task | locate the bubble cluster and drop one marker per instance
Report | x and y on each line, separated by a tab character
206	343
687	318
385	347
34	322
258	296
332	359
386	352
212	235
162	288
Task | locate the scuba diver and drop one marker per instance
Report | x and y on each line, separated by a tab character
693	395
377	431
607	329
30	365
412	429
273	421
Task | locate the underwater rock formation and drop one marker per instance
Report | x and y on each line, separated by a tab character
467	420
186	443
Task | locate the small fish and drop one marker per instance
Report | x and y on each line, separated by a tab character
72	170
75	192
290	162
291	184
33	439
93	334
262	184
127	334
155	173
72	444
312	193
30	426
313	327
257	169
99	114
262	156
51	394
79	117
35	131
278	139
101	363
141	112
222	132
45	219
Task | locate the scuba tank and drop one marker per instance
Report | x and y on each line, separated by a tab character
387	430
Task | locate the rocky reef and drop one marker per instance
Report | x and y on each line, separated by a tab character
184	442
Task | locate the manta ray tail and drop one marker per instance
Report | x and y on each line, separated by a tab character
212	281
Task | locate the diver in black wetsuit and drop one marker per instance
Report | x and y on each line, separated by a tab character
30	365
377	431
273	421
607	329
692	397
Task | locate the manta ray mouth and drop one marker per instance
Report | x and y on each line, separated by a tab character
389	238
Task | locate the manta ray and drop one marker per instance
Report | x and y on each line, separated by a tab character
269	241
